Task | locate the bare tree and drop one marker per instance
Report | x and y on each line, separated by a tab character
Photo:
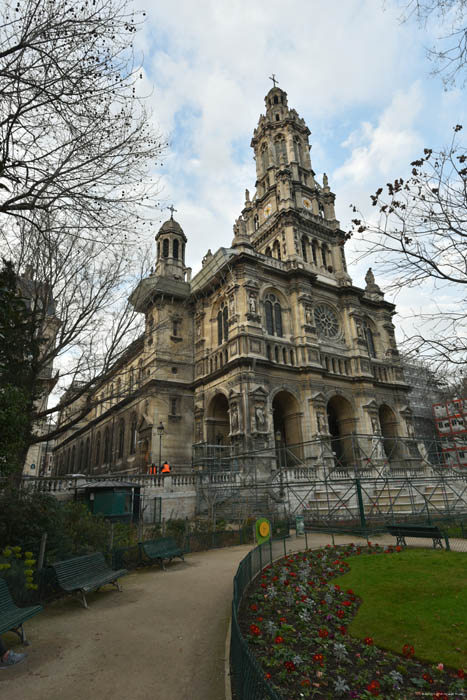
449	54
77	154
419	238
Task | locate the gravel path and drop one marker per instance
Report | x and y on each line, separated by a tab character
162	638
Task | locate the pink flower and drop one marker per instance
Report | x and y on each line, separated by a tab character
440	667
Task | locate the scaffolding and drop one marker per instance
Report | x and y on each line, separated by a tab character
357	478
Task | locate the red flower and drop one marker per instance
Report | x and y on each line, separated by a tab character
255	630
349	591
373	688
305	682
340	613
319	658
346	603
254	607
282	619
460	673
278	639
290	666
426	677
398	548
323	632
336	587
342	629
440	696
408	650
267	676
368	641
264	585
260	619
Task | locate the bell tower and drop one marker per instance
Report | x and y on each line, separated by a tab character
171	242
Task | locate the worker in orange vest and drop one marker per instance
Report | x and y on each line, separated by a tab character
165	468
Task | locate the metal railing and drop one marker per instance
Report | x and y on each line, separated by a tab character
247	677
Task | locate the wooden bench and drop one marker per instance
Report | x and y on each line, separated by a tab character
12	617
427	531
84	574
158	550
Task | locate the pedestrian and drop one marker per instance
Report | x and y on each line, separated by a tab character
165	468
8	657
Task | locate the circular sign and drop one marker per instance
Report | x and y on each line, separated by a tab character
263	530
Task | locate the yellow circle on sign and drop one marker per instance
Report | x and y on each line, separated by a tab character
264	529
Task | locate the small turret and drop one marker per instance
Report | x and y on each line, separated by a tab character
171	242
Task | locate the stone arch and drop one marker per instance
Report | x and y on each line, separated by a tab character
287	418
341	425
217	419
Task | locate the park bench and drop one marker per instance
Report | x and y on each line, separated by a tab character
409	530
158	550
84	574
12	617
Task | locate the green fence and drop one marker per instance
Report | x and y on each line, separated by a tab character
247	676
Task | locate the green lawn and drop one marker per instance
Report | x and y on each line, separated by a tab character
416	597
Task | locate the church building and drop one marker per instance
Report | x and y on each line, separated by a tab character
270	342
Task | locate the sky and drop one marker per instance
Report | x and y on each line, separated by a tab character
358	76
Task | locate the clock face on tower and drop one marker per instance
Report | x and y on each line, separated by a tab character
307	204
267	210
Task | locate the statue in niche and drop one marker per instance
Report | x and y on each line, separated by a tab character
198	330
309	316
320	423
234	418
359	330
252	304
232	305
260	417
377	440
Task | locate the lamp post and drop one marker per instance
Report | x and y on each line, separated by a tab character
160	432
278	437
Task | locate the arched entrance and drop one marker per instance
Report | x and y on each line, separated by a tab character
341	423
287	427
218	421
389	431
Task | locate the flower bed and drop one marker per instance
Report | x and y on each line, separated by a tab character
295	619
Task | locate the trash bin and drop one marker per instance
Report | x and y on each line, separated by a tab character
299	524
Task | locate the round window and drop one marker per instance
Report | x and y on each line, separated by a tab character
326	321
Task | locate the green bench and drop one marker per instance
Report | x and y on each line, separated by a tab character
12	617
427	531
84	574
158	550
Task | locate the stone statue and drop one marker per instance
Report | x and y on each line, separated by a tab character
325	180
247	195
309	316
252	304
206	257
320	423
369	277
260	417
234	418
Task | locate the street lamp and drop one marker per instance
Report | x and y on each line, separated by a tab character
160	432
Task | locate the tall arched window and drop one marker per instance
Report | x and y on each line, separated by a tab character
276	250
225	318
265	157
324	252
98	450
268	252
87	454
297	150
314	247
281	150
304	248
273	315
133	428
121	437
222	325
175	249
106	445
165	248
81	456
219	328
140	371
369	340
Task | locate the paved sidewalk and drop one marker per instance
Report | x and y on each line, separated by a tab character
162	638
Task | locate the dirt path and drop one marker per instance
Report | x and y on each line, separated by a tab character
162	638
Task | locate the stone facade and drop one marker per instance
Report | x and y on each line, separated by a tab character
269	342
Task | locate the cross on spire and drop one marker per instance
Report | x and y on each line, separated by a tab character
172	209
274	79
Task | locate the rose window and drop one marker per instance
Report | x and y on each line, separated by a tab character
326	321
